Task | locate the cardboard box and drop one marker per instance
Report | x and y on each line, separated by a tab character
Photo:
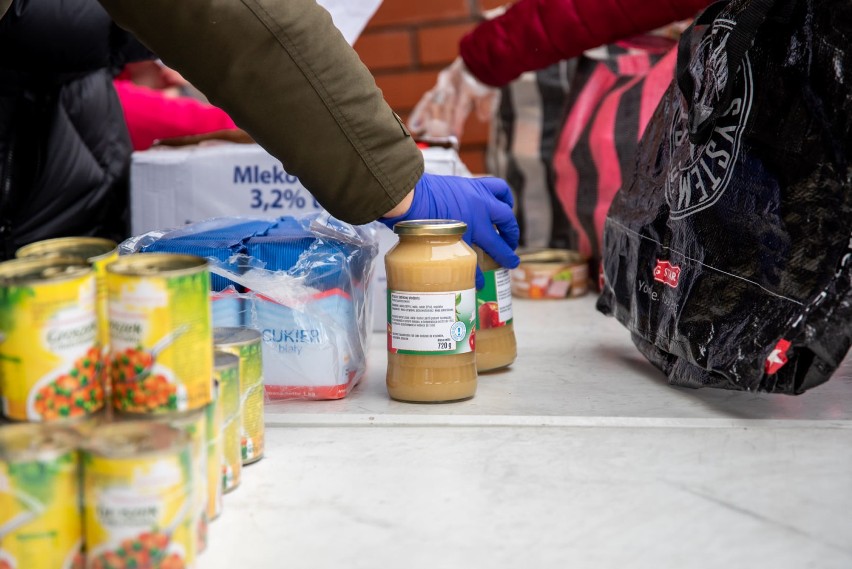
170	187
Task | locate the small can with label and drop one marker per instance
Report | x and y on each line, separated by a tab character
215	447
496	347
96	251
50	362
160	333
245	344
227	376
40	525
550	274
138	495
431	313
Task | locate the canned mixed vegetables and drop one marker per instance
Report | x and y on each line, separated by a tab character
40	525
160	333
50	360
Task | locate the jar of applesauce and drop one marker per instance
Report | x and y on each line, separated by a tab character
495	333
431	313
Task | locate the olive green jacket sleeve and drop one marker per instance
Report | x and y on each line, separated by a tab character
286	75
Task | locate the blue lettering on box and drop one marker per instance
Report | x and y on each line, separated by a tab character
254	175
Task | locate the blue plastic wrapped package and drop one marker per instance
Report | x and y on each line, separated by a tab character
216	239
302	283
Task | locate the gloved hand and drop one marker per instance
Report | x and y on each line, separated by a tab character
443	110
482	203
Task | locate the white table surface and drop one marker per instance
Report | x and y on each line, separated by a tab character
580	455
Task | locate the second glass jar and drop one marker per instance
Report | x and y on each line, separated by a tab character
496	347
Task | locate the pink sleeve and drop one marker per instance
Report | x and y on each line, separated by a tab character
151	116
533	34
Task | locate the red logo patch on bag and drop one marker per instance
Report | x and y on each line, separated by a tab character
667	273
777	357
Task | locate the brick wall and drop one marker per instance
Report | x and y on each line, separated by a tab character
408	42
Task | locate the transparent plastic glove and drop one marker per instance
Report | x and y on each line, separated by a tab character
483	203
443	110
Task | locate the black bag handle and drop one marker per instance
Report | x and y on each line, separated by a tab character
741	39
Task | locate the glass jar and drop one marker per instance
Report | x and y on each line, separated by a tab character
495	333
431	313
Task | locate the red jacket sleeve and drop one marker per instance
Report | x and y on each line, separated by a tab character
533	34
151	116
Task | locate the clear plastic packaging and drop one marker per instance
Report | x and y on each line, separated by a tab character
302	283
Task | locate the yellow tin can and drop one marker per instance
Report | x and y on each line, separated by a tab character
215	440
160	333
40	524
138	482
194	424
87	426
50	362
227	375
96	251
245	344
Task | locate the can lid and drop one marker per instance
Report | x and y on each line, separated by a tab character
152	264
234	336
35	441
565	256
183	420
224	360
33	270
135	438
427	227
88	248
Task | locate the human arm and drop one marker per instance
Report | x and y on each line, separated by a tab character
533	34
485	204
286	76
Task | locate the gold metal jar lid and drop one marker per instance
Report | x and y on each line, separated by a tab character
89	248
155	264
429	227
27	442
43	269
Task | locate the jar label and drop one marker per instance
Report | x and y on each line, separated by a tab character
494	300
431	323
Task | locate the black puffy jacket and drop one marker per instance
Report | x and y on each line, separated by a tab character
64	147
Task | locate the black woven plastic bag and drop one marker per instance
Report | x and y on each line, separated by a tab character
728	252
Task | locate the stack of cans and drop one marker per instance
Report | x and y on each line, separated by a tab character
108	367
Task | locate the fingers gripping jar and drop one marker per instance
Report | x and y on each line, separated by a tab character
495	334
431	313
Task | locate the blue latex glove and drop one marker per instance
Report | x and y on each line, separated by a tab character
482	203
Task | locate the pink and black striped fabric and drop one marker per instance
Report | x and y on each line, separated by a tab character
613	96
